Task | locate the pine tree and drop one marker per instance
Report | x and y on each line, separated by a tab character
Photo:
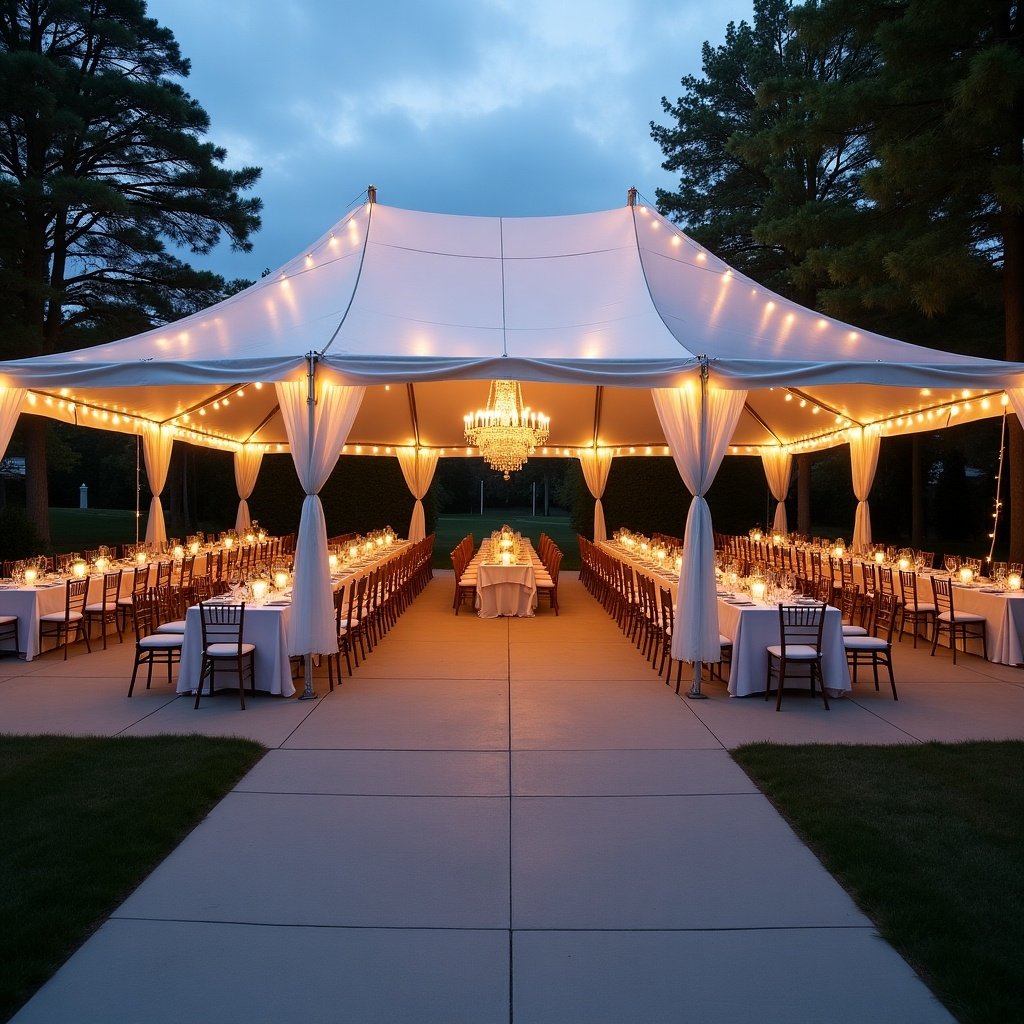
103	163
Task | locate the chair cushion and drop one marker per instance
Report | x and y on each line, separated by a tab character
864	643
97	609
162	641
919	607
228	650
6	619
960	617
59	617
851	630
177	626
795	652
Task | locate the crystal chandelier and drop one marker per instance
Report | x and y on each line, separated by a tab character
506	432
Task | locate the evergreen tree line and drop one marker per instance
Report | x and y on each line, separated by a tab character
866	158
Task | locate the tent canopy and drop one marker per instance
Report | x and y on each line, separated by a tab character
589	311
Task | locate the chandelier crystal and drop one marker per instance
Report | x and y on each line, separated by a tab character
506	432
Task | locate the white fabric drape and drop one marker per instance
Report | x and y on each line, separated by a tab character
698	423
247	470
864	445
312	628
778	467
597	464
418	465
11	401
1016	397
157	443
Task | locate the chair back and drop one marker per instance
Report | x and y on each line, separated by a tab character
74	599
556	565
801	625
168	609
111	589
140	581
848	602
222	623
886	583
926	558
188	564
885	617
908	587
867	578
823	590
145	614
163	573
667	611
942	591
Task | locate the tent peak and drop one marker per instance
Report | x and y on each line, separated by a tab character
631	196
371	193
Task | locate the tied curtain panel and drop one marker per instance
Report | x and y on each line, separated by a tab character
157	443
312	628
597	464
698	422
11	401
248	459
864	446
418	465
778	468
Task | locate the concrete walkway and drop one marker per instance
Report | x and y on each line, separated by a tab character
494	821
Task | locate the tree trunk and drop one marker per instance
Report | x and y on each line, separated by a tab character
916	493
1013	304
803	494
37	490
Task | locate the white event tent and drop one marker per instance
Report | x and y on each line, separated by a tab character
634	339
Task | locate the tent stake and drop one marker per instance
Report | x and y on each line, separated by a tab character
695	693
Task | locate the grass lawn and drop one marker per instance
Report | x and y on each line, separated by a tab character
83	821
929	840
75	529
451	529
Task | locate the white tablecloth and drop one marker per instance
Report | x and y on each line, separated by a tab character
29	603
265	626
663	577
1004	621
753	628
505	590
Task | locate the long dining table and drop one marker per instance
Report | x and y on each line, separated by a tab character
266	625
505	590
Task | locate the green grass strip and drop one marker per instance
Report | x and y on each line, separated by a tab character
83	821
929	841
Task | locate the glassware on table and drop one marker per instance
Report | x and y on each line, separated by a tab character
951	562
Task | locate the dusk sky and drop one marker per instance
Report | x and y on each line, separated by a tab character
485	107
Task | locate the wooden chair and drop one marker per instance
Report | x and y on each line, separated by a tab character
876	647
800	631
223	647
151	648
849	602
465	582
139	585
172	615
9	631
912	609
962	625
59	624
105	610
547	585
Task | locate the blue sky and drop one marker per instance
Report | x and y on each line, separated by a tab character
486	107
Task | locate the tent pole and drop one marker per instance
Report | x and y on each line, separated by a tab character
138	486
698	671
698	666
308	693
